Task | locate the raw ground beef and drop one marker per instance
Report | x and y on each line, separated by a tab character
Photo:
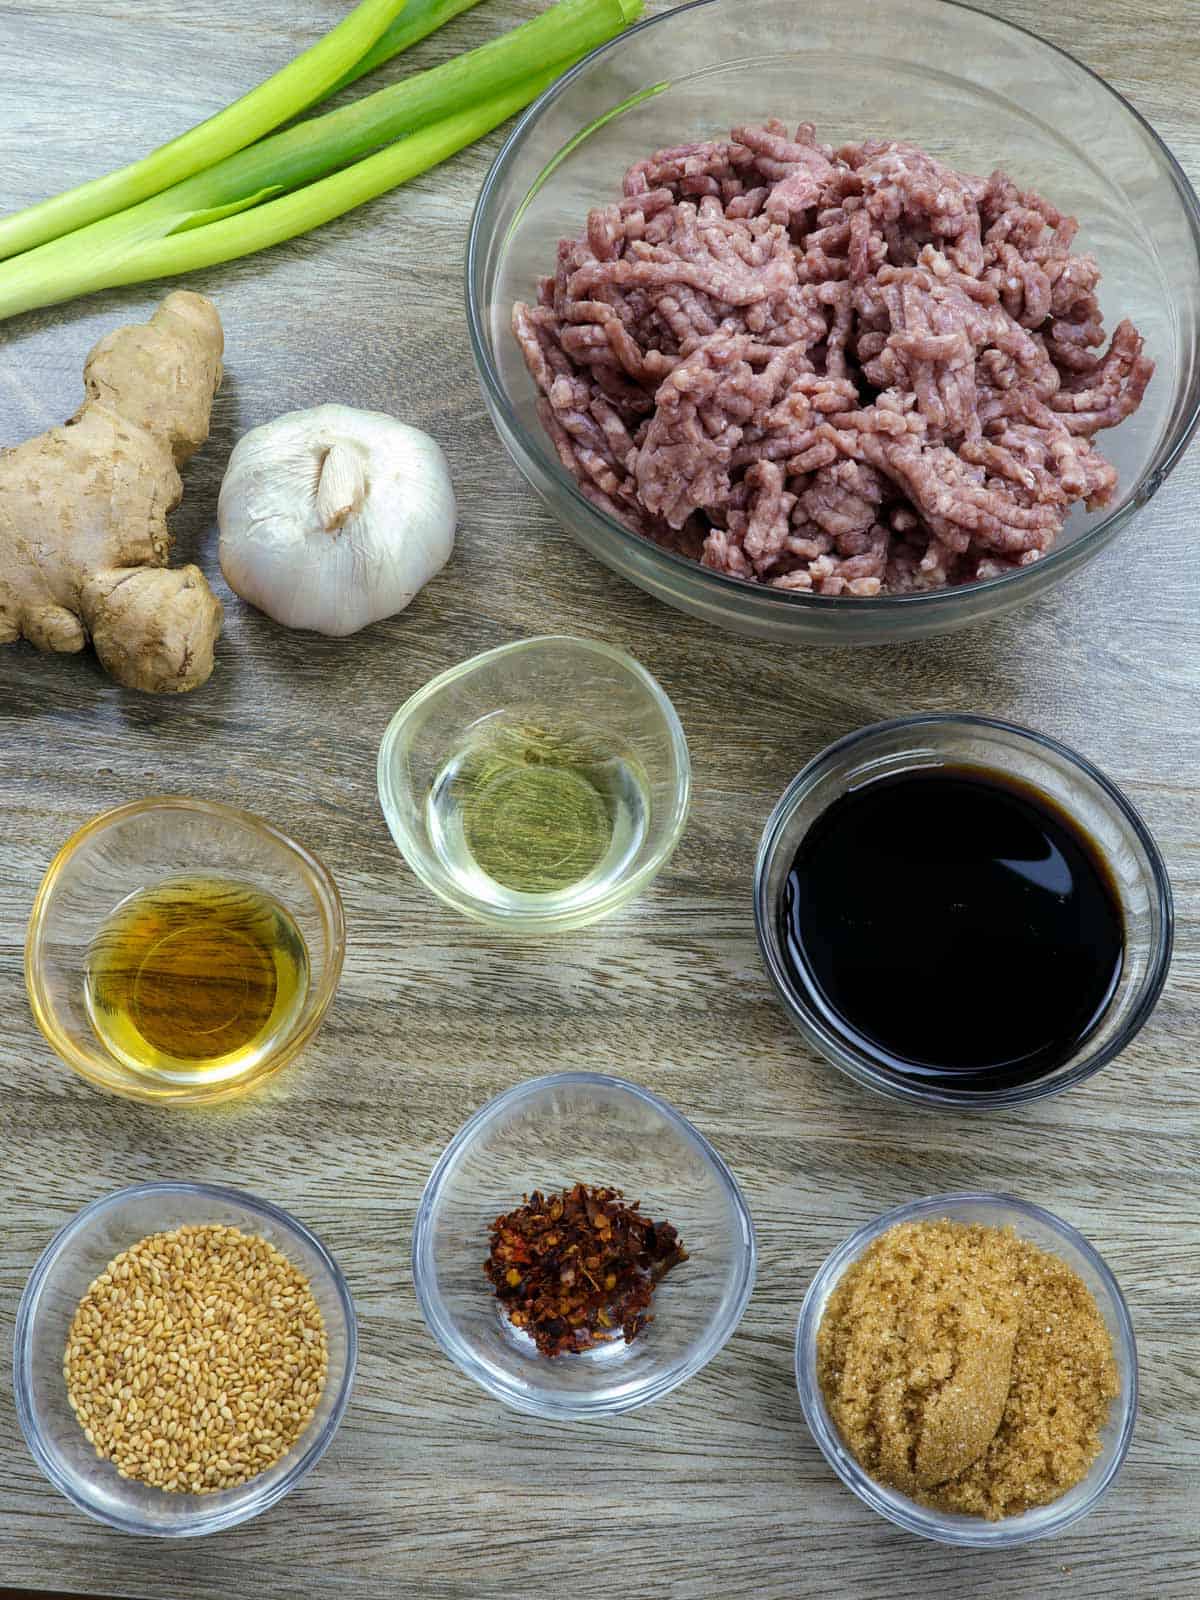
847	372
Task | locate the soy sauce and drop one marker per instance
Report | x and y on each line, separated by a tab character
955	925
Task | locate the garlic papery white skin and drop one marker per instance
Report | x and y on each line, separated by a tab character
334	518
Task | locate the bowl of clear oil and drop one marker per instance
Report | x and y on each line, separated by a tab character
182	951
538	786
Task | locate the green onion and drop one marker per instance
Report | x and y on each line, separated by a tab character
419	18
236	195
559	36
309	77
320	202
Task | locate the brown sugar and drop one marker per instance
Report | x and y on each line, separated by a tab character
967	1368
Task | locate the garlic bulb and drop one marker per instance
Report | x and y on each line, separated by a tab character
334	518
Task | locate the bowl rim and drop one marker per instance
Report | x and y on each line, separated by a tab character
27	1313
897	1508
526	921
333	917
783	601
578	1407
839	1052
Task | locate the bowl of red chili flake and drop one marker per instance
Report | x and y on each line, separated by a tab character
579	1268
580	1248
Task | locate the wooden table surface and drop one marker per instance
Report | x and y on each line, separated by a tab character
431	1488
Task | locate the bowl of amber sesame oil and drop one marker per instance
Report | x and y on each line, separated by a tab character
182	951
183	1357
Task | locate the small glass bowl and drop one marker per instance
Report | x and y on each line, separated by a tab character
74	1257
977	91
1080	789
547	1134
132	848
1049	1233
609	695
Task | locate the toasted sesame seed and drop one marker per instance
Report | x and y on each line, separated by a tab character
189	1346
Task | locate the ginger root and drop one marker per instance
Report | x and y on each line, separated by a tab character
83	534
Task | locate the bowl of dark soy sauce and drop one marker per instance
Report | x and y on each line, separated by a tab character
962	912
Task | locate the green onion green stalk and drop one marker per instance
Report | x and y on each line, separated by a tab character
307	174
418	19
310	76
296	213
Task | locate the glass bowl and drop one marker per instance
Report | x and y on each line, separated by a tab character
589	694
131	848
1049	1233
547	1134
980	92
76	1255
1137	870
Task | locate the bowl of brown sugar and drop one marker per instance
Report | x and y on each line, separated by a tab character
967	1366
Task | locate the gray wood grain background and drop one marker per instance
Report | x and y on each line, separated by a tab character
430	1488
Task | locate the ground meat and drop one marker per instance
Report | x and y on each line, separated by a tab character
840	372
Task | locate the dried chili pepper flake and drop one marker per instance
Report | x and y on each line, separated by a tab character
591	1262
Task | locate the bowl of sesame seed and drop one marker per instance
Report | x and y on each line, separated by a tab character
183	1356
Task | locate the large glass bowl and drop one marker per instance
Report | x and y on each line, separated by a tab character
547	1134
1136	869
70	1262
1056	1237
981	93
